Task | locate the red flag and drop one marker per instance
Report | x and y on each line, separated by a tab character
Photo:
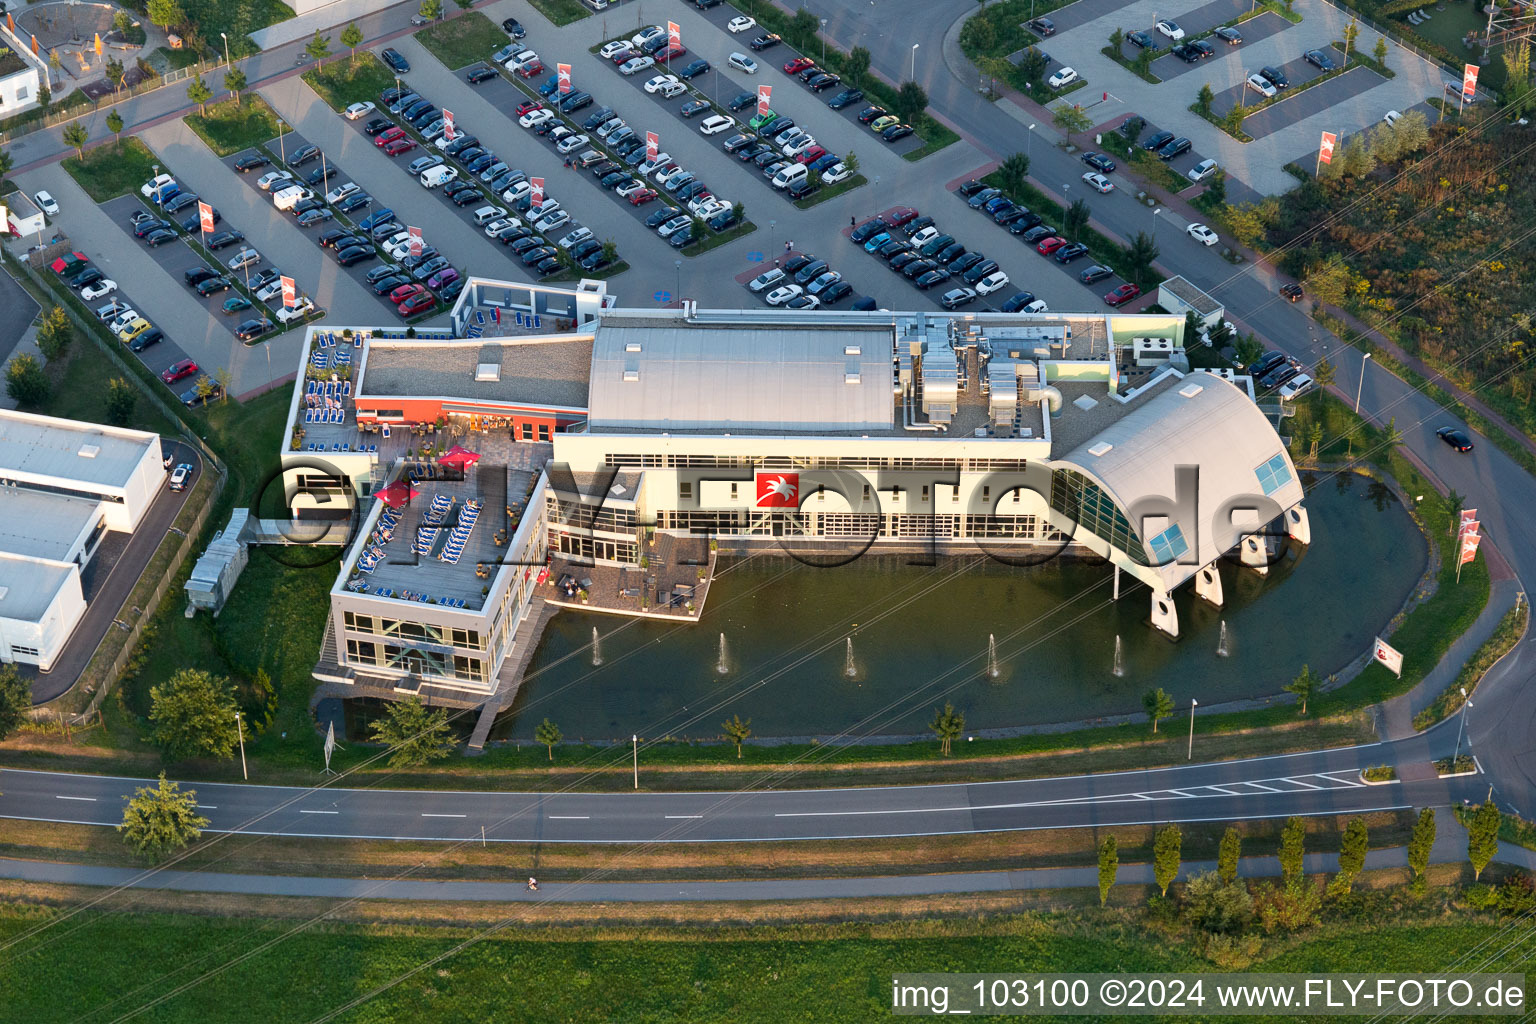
10	23
98	44
1325	154
764	93
536	197
778	490
290	293
204	216
674	34
1469	82
416	245
1470	538
564	73
1468	515
652	145
448	132
34	45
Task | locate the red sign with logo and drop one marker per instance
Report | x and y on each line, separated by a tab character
764	94
290	292
1469	82
416	245
652	145
448	131
778	490
1325	154
205	216
674	34
564	73
536	197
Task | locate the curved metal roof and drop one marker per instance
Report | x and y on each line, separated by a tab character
1202	422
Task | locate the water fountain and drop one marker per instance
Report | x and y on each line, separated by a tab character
1119	657
992	672
849	669
1221	643
722	666
597	649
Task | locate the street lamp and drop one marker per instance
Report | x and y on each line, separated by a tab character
679	265
1029	140
1461	727
912	72
1361	386
1155	212
1192	705
226	46
823	40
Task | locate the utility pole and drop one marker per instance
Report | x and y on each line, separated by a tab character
1192	705
241	728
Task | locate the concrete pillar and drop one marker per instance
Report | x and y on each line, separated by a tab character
1298	525
1117	581
1254	553
1208	584
1164	615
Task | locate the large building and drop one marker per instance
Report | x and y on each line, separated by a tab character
824	433
22	74
64	485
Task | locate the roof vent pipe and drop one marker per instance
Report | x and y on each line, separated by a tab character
1049	394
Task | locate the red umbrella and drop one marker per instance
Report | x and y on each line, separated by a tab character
457	456
396	494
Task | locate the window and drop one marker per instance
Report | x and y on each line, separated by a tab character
733	492
21	97
685	490
1169	545
986	492
543	431
17	648
1273	474
527	431
388	414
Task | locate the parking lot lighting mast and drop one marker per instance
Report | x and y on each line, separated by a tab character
912	72
1360	386
1462	727
1190	756
226	46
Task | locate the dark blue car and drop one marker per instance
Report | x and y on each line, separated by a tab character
393	58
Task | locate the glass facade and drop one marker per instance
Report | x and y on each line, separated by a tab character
1273	474
1085	503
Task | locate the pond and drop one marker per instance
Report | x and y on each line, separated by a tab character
1009	647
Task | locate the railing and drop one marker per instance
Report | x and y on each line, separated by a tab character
59	117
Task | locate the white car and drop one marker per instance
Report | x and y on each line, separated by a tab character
649	167
1098	182
496	227
991	283
666	86
486	214
340	192
1391	118
646	35
575	238
1065	76
550	221
1171	30
795	148
613	49
571	143
699	203
357	110
244	258
512	193
300	309
1261	85
783	294
266	181
625	191
270	290
674	225
713	206
716	124
123	319
767	279
742	24
1202	170
923	237
97	290
46	203
180	475
1296	386
548	208
534	118
635	65
151	186
836	173
1201	234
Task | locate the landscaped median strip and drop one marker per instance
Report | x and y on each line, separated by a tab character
1232	122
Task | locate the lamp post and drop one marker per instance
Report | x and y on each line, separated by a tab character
1190	756
912	71
634	740
1461	727
241	729
226	46
1029	140
1361	386
771	225
823	41
678	264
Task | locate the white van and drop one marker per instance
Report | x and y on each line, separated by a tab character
290	197
440	175
794	174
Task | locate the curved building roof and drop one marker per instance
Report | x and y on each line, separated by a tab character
1234	460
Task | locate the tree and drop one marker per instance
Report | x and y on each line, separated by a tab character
1353	847
856	66
1293	839
234	82
1141	254
1032	65
1383	145
55	61
1248	223
25	380
164	13
1325	373
998	69
6	163
1453	503
75	135
803	27
223	378
1071	120
55	333
1517	78
1158	704
851	161
1109	863
204	387
1329	280
1314	442
432	9
1217	906
115	73
1391	437
1215	191
1351	33
1248	350
1483	837
1143	62
1166	850
1304	686
1014	172
319	47
739	211
548	733
122	21
122	397
979	35
193	714
948	725
1117	39
1203	99
737	731
161	820
465	5
1412	131
911	101
1227	855
350	37
199	93
15	699
1420	844
1356	161
115	125
1233	121
611	250
415	734
1074	219
1380	52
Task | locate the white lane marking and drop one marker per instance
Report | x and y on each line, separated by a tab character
1298	782
424	814
672	816
209	807
1223	792
88	799
302	811
569	817
1180	792
1262	788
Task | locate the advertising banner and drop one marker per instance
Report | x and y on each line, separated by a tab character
652	145
564	71
290	293
1325	153
536	197
204	216
764	94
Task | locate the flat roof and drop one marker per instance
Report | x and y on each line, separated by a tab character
36	524
29	585
68	450
530	370
1186	290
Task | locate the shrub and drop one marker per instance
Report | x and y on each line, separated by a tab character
1481	897
1216	906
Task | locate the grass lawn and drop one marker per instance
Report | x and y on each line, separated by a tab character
175	60
79	389
561	12
345	81
934	135
112	170
229	128
831	192
714	239
467	39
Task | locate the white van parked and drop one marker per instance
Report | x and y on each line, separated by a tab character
432	177
794	174
290	197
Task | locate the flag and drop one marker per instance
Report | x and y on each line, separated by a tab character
778	490
10	23
416	246
1468	515
1325	154
764	93
674	34
563	71
98	44
536	197
204	216
652	145
1469	82
1389	656
1470	539
290	293
496	313
330	743
448	132
34	44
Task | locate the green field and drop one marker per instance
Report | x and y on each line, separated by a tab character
113	170
464	40
229	128
562	12
345	80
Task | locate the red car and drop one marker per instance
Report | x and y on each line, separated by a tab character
529	70
642	197
527	105
177	371
669	51
811	155
400	146
1120	296
797	65
405	291
899	216
74	261
387	136
1050	245
418	303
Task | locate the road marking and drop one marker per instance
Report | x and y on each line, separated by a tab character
1260	786
1180	792
569	817
89	799
424	814
1298	782
1223	792
209	807
302	811
671	816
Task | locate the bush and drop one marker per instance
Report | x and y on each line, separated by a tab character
25	381
1216	906
1481	897
1517	895
1287	909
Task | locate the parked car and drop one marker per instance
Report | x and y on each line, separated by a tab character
395	60
179	371
1170	29
246	164
1261	85
358	110
1123	294
1319	60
